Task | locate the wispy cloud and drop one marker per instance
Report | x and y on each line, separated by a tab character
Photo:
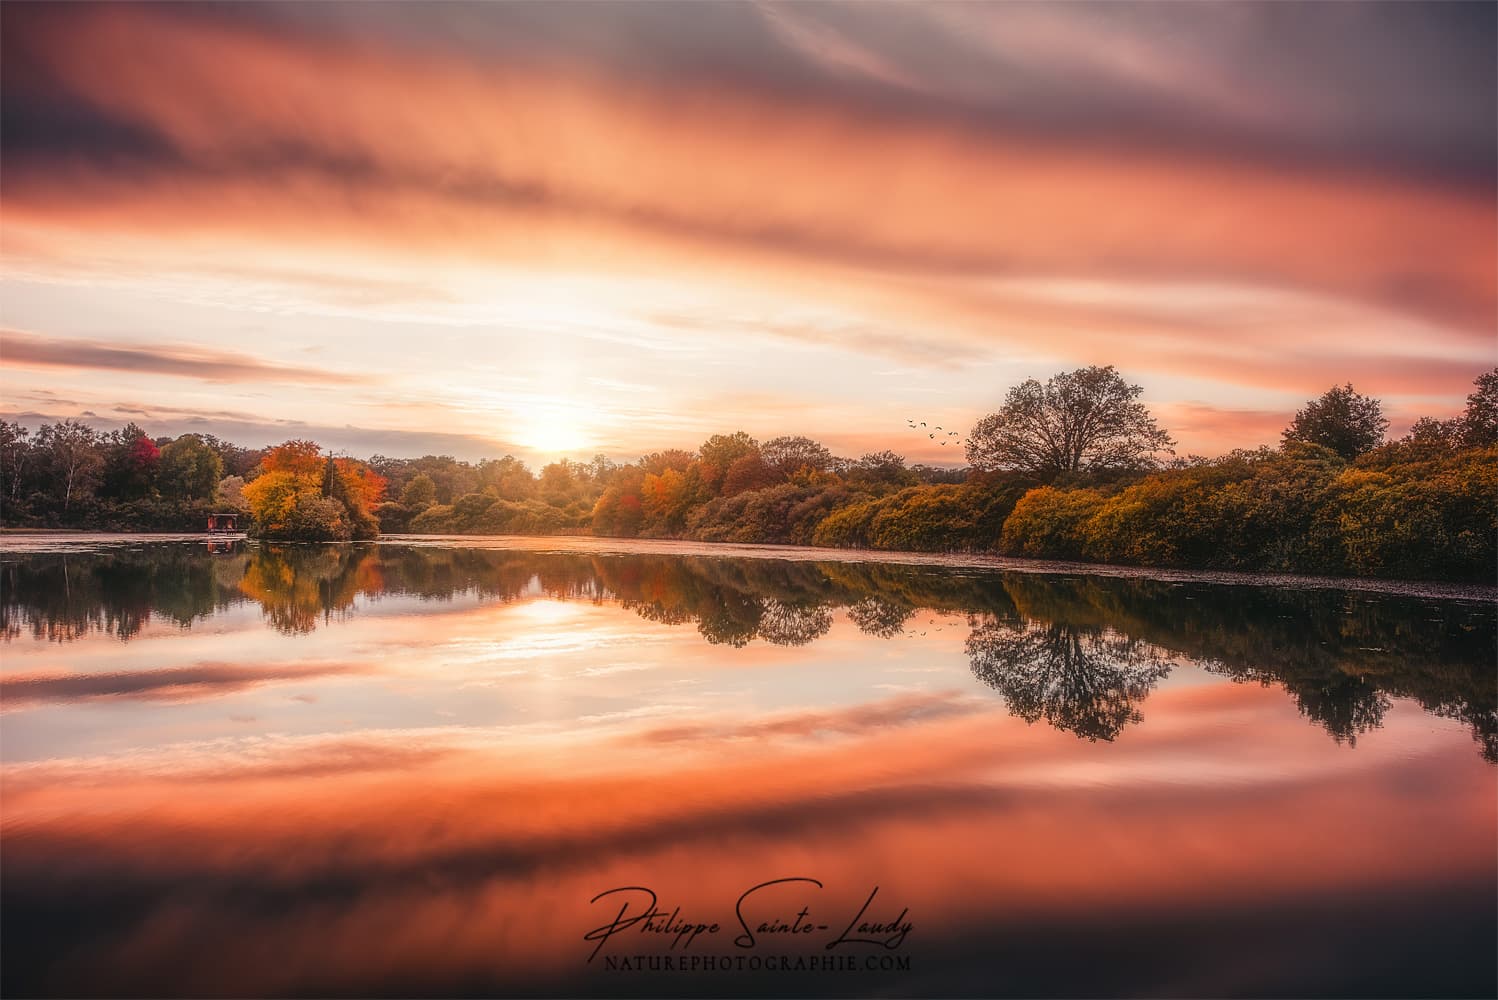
807	179
179	360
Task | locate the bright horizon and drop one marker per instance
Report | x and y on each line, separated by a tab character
487	229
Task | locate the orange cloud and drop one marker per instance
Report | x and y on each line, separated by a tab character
313	161
291	137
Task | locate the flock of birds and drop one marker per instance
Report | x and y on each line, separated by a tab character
913	632
946	437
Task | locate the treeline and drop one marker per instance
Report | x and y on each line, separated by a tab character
68	475
1074	468
1334	498
732	488
1398	511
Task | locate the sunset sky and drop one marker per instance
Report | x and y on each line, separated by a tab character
564	229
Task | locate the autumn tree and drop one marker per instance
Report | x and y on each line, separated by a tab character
299	457
884	467
420	493
658	462
748	472
1088	420
619	511
785	456
357	488
290	498
601	469
1340	419
666	498
130	462
190	470
365	487
275	495
719	452
558	482
508	476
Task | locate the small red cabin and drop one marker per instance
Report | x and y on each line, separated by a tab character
223	522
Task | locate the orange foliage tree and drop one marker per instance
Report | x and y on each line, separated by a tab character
298	457
301	496
365	486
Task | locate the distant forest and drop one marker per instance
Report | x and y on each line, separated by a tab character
1073	468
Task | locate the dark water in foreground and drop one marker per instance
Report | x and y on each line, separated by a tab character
410	770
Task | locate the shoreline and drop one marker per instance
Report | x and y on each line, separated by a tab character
55	540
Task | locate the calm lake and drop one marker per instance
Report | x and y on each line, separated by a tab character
400	768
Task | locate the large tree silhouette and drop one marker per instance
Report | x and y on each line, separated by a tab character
1086	681
1084	420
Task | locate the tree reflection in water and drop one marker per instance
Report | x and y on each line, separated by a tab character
790	625
874	615
1080	652
1087	681
1347	706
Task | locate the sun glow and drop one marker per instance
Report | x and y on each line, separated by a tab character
553	434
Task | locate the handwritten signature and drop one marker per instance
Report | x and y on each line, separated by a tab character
762	912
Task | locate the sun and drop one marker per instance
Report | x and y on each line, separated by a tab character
554	434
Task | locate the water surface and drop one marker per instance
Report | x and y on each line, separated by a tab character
234	769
